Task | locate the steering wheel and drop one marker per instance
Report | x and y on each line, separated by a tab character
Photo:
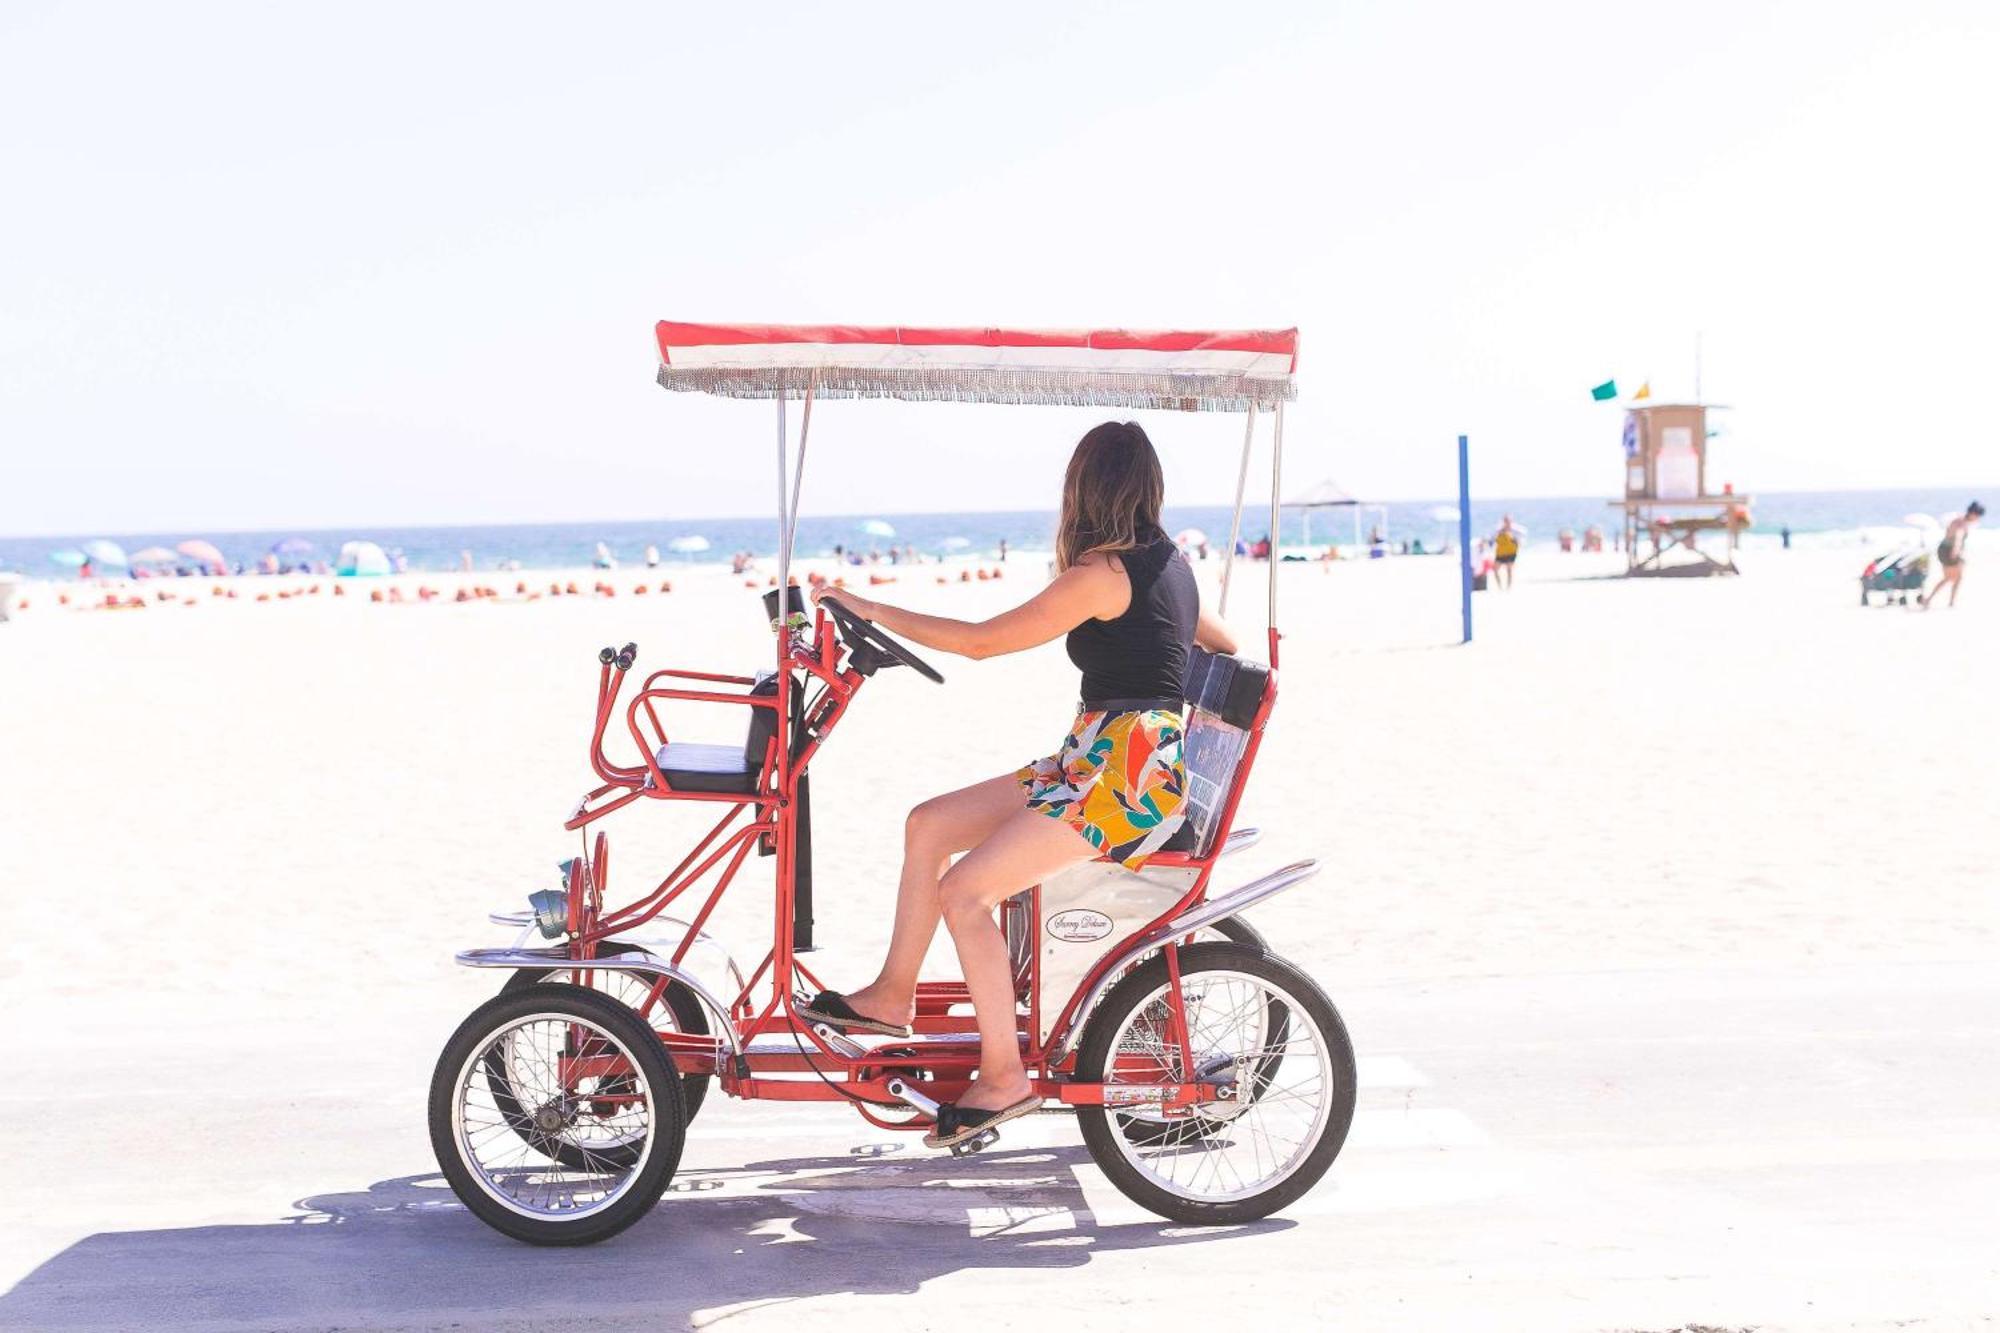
869	647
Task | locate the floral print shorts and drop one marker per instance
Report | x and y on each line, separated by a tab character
1118	780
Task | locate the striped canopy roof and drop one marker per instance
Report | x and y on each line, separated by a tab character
1178	370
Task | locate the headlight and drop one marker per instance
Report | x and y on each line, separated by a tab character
551	909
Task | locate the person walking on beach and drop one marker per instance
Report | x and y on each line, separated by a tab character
1951	554
1506	546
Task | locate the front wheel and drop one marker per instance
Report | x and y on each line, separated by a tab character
1258	1028
669	1007
603	1104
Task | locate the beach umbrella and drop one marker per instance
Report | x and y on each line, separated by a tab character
688	545
361	559
291	546
68	558
1444	513
1190	537
875	527
202	553
105	553
155	555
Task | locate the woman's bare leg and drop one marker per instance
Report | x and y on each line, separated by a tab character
1026	849
941	826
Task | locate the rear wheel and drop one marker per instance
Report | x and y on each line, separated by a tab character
1257	1027
603	1102
1141	1127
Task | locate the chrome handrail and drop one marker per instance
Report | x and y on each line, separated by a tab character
643	963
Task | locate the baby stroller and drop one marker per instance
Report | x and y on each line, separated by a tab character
1896	576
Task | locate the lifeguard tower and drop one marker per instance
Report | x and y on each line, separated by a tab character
1667	502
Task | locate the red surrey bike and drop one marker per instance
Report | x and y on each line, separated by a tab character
1213	1080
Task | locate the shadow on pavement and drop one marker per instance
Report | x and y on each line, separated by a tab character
404	1250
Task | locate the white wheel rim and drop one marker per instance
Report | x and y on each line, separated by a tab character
1267	1136
506	1166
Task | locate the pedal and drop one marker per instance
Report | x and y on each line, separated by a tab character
979	1142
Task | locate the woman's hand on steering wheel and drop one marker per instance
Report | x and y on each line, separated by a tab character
859	605
868	644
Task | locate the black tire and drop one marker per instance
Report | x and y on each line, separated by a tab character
1139	1129
1102	1133
651	1166
687	1013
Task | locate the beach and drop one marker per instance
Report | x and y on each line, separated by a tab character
245	839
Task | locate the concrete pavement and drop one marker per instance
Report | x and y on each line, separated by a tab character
1809	1147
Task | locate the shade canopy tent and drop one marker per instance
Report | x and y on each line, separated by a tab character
1175	370
1329	494
1185	370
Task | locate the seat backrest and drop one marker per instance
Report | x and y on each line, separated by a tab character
763	722
1223	696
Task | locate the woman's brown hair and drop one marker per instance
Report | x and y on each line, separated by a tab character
1111	493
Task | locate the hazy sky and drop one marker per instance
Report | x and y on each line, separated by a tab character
288	265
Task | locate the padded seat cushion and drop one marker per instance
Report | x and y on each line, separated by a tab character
690	766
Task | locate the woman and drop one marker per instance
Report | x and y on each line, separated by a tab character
1951	555
1506	549
1127	601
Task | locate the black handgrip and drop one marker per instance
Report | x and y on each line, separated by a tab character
607	655
626	656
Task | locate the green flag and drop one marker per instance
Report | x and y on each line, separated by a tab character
1605	391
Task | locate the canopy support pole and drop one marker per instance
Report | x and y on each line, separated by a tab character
798	481
1277	470
1236	517
784	542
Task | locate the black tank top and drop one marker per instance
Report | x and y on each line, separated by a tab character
1142	655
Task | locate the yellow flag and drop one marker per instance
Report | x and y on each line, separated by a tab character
1645	391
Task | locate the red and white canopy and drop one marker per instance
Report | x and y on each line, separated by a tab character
1180	370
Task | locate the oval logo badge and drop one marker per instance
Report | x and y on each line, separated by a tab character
1079	925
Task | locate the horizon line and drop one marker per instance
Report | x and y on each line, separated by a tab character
1259	505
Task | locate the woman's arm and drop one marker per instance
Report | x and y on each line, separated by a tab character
1211	633
1088	590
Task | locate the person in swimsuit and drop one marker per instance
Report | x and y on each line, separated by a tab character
1127	602
1506	546
1951	554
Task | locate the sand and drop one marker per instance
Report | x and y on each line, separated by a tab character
243	840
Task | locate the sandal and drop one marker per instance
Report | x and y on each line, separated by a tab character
831	1008
956	1124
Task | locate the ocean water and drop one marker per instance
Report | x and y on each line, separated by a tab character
1860	519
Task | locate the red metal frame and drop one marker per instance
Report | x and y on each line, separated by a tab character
775	1073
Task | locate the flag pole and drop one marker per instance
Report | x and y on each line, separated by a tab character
1464	542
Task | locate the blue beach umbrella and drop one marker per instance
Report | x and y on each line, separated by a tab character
68	559
105	553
